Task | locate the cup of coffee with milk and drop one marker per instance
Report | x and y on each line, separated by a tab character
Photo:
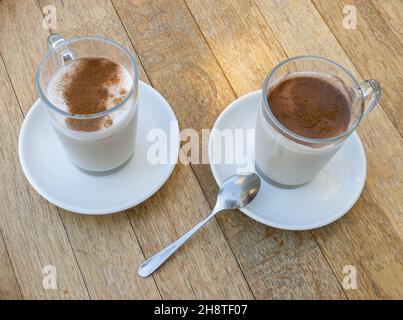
89	86
309	107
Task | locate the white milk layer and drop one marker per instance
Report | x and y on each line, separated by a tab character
104	149
285	161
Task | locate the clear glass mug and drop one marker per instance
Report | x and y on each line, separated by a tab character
287	159
90	148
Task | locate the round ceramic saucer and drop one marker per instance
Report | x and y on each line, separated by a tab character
54	177
325	199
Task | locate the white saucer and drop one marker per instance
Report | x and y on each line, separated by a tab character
54	177
325	199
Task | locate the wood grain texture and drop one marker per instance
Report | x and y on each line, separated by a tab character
236	31
125	284
380	138
9	289
32	229
108	254
373	48
365	239
161	224
181	66
106	247
201	55
392	12
384	157
203	268
277	264
90	18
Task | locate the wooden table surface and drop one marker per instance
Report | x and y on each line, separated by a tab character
201	55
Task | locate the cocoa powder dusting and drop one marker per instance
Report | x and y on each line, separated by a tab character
122	94
85	91
310	107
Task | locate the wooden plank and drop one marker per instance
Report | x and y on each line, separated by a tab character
392	12
108	254
379	135
99	19
103	281
232	33
365	239
94	239
372	47
19	38
382	257
383	195
33	231
180	65
9	289
178	206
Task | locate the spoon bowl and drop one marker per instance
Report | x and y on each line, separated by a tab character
238	191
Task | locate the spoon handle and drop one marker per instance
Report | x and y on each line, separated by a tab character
154	262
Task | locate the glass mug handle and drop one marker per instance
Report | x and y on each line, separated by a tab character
55	40
371	92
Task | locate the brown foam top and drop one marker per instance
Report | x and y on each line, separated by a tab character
85	90
310	106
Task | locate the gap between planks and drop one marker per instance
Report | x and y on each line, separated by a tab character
191	167
237	96
125	211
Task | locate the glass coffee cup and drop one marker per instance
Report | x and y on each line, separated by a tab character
96	141
287	159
